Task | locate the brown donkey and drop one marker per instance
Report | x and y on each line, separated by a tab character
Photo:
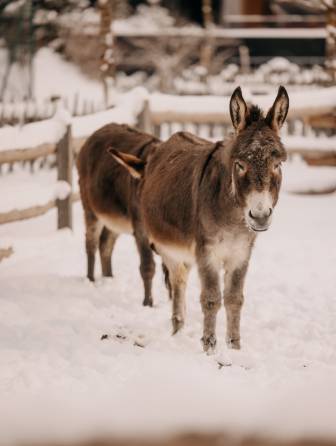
204	203
110	198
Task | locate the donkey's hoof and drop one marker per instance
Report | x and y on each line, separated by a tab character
209	344
91	278
148	302
109	274
177	324
233	343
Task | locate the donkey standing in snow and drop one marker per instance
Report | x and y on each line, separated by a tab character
110	198
204	203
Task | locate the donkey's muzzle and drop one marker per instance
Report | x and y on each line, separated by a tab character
260	221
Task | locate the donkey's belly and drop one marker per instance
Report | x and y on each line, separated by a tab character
116	223
178	253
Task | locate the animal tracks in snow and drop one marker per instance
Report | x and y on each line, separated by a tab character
126	336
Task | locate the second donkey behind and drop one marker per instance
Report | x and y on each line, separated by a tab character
110	198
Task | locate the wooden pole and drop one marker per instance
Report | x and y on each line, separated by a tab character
107	65
331	39
244	56
207	48
64	173
144	119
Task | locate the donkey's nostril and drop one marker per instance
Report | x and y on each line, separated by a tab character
261	218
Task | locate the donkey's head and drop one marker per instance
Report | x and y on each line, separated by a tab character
256	157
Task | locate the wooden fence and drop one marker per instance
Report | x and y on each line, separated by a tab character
194	114
162	123
64	155
13	113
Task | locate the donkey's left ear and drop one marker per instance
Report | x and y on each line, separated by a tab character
134	165
277	113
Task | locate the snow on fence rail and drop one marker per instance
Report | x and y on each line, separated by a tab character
63	135
215	109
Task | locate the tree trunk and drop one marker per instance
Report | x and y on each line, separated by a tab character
207	46
331	41
107	66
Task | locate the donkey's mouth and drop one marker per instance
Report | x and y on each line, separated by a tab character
258	224
259	230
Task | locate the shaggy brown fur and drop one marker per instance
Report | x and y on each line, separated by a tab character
204	203
110	197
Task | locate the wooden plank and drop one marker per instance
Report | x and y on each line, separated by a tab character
321	160
323	191
31	212
157	131
64	173
184	117
144	119
23	214
27	154
323	121
31	154
312	113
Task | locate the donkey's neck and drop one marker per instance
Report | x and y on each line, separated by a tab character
217	200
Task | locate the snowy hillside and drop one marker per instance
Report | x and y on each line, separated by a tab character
59	380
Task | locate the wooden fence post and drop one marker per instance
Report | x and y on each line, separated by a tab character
144	119
64	173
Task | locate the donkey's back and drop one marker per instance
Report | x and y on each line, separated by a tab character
176	169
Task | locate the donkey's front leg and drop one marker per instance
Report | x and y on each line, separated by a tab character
210	301
233	300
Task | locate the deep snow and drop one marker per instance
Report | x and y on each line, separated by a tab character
59	380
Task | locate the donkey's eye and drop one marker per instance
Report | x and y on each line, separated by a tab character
240	168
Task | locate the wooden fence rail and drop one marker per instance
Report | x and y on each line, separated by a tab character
64	155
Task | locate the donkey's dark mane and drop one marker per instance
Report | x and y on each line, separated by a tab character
255	114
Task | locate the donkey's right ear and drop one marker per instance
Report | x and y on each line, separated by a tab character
238	110
133	164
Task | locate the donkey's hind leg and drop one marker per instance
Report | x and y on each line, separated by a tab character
147	265
106	244
178	276
93	231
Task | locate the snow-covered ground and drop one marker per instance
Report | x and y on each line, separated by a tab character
58	379
53	76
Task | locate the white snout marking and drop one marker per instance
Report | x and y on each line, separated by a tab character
260	205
